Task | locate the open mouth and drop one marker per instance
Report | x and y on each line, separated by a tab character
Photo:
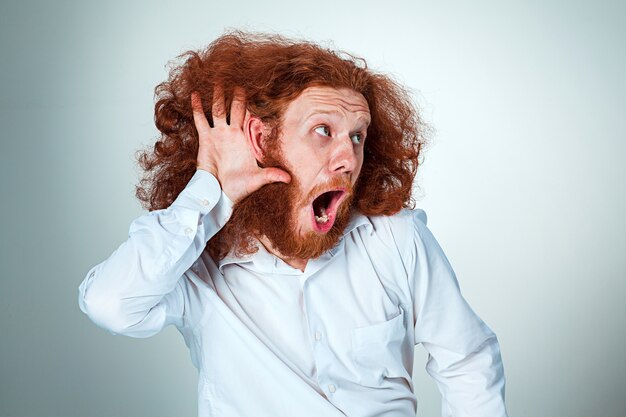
324	209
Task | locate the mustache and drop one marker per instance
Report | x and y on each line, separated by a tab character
335	183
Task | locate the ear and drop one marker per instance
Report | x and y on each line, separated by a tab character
255	132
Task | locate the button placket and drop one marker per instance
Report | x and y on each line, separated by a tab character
317	335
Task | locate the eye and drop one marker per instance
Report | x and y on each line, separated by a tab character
325	130
357	138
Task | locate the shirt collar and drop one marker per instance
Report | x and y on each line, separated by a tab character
269	263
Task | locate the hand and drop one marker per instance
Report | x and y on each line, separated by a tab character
224	151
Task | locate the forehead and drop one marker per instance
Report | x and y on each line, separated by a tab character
343	102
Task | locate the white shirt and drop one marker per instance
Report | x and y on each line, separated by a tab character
270	340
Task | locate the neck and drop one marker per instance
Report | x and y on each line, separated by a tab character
296	263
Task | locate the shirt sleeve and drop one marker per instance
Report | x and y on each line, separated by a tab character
463	352
138	290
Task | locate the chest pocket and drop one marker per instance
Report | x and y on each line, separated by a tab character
377	351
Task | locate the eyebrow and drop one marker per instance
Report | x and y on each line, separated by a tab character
366	121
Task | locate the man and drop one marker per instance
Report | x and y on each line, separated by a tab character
293	168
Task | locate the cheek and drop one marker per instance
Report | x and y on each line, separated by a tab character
306	166
301	154
359	165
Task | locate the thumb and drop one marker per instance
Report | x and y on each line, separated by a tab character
267	176
275	175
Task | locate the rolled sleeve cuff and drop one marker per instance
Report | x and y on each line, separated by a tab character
203	193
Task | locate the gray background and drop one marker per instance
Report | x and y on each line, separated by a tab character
524	184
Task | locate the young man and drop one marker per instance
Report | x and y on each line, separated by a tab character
281	243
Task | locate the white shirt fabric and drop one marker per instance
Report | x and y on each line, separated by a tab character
270	340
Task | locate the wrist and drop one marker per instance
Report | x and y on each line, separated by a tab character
209	169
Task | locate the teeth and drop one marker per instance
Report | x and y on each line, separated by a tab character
322	219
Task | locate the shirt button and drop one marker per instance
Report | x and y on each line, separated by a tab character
318	335
332	388
205	202
188	230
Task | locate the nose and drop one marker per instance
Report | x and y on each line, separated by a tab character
343	157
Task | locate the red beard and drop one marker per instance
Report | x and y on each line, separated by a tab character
271	212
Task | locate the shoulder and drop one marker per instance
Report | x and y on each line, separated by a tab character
402	218
397	232
400	226
386	243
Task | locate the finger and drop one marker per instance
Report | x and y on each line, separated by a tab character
274	175
267	176
199	119
238	107
217	111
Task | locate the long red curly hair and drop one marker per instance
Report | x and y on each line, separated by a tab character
273	70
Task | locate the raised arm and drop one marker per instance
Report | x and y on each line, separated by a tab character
137	290
463	352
